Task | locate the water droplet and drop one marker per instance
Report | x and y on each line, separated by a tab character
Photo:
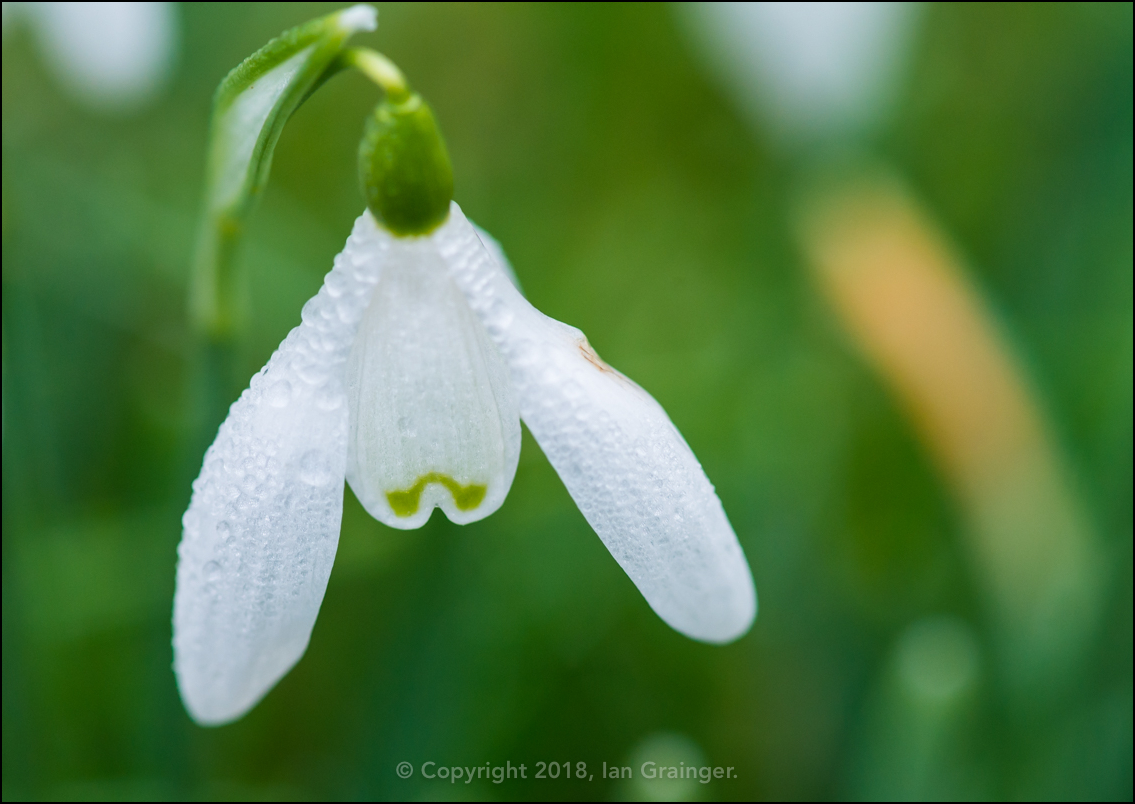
278	394
349	313
312	373
315	468
329	397
336	283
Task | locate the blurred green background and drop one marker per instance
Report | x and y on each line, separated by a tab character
636	202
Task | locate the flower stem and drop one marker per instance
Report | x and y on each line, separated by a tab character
379	69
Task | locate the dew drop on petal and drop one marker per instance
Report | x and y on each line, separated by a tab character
312	373
278	394
329	396
315	468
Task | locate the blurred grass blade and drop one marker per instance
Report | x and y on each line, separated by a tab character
907	302
250	108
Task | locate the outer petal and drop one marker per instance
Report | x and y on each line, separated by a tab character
433	420
263	524
622	460
496	252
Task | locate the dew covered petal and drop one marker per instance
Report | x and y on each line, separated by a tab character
620	457
263	524
434	421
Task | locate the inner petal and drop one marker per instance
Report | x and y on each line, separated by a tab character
433	415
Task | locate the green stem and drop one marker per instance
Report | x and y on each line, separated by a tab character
250	108
378	69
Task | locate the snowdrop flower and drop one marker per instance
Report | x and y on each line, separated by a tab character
408	378
805	70
111	57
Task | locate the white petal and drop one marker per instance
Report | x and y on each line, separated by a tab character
112	56
621	459
263	524
805	68
434	420
497	253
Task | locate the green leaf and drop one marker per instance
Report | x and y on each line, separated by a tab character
250	108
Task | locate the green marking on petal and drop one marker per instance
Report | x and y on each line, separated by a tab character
405	503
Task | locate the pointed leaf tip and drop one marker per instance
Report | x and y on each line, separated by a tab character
250	108
358	18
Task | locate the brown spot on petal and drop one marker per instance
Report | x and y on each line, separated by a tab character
594	359
590	355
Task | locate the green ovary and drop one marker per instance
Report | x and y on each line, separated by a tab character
405	503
